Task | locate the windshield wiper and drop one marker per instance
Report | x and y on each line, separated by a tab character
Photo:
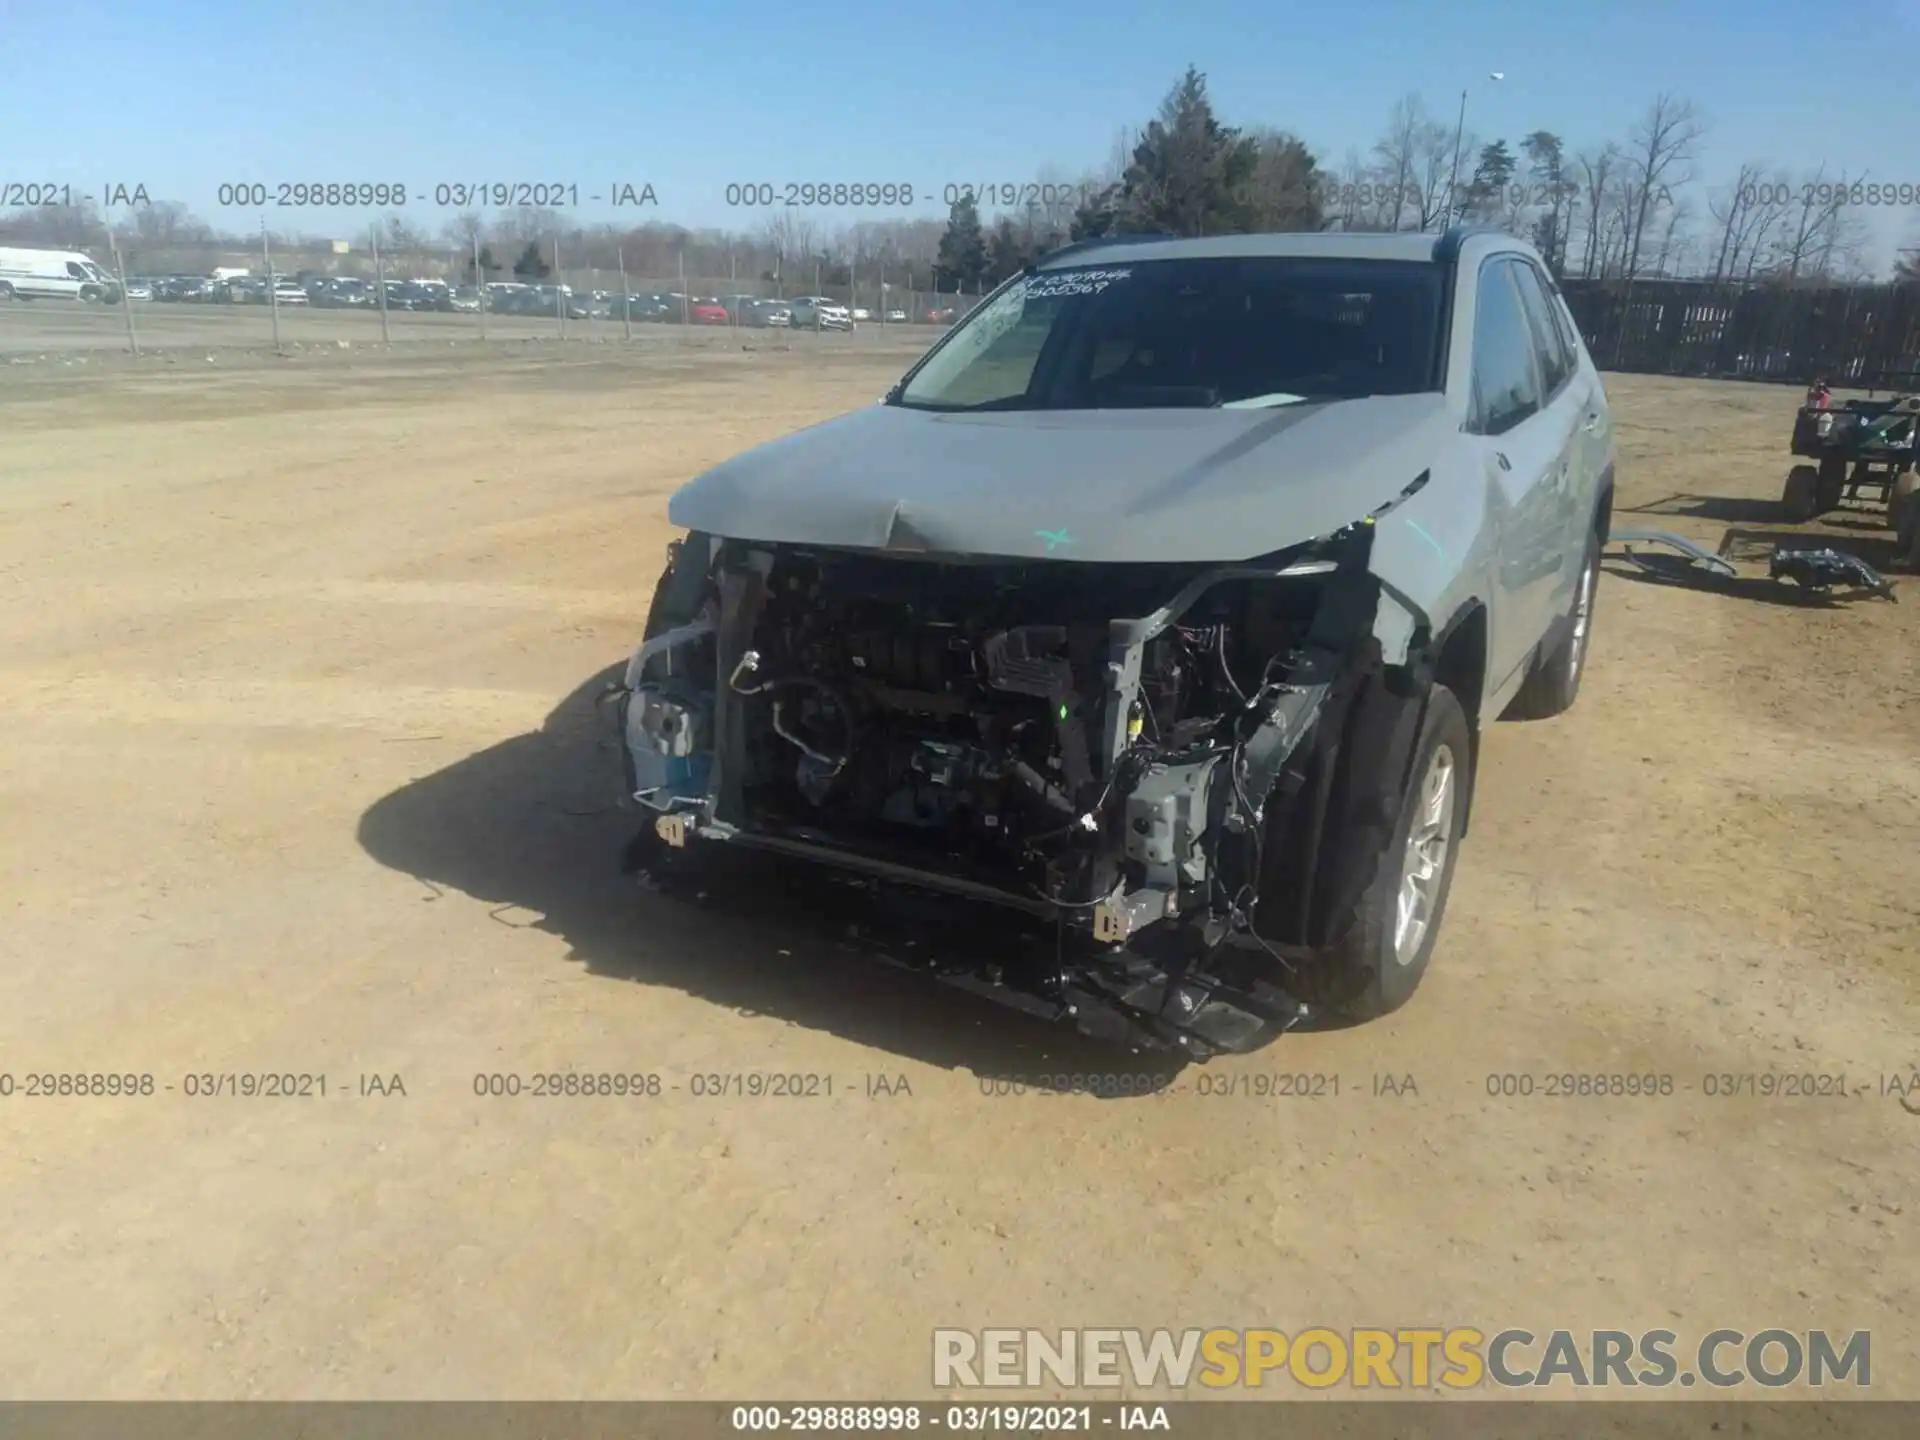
943	407
1282	398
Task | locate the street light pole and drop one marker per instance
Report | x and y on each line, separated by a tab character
1453	175
1459	135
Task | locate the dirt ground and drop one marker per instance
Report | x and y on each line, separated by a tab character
300	773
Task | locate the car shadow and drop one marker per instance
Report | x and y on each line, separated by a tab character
1856	520
1726	509
1683	575
532	825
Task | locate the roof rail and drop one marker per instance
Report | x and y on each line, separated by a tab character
1447	247
1094	243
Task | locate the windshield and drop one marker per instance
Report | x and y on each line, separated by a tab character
1235	333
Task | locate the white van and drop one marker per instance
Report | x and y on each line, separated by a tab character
55	275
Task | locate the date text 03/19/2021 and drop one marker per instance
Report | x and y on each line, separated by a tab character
445	195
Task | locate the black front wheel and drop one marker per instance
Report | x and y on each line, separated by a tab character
1375	968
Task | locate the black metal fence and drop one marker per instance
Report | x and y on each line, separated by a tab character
1858	336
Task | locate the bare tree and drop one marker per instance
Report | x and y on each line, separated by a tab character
1841	250
464	229
1741	214
528	224
1059	197
793	238
1660	156
1343	189
1677	240
1906	263
1845	259
164	223
70	227
1100	187
1397	157
1433	166
1596	176
1812	230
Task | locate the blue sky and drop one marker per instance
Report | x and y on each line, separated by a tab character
183	96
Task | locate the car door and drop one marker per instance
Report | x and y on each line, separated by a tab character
1566	398
1595	441
1521	459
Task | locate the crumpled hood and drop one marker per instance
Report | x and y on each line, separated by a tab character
1126	485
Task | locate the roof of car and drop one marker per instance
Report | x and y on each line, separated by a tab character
1342	245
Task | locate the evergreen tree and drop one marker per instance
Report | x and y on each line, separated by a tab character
961	262
1190	175
531	265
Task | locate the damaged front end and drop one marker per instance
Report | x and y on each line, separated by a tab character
1192	773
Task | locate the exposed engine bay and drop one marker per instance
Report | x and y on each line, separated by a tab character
1151	756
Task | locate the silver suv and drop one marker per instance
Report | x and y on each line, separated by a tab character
1164	600
817	312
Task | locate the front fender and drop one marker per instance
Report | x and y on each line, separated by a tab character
1438	546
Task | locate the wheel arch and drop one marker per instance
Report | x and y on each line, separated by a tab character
1460	655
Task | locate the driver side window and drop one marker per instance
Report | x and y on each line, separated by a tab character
1506	384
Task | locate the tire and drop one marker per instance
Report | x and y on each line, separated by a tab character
6	290
1375	969
1906	535
1898	492
1801	499
91	295
1833	480
1553	684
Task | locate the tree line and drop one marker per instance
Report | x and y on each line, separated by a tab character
1627	208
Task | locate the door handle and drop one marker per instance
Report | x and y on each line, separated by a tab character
1591	423
1501	457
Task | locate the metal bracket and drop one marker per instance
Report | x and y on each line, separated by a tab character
1119	915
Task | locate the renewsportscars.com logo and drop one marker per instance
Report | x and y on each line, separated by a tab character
1416	1358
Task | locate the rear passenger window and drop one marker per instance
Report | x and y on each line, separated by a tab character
1550	345
1505	388
1568	334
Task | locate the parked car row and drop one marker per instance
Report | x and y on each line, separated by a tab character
222	290
808	312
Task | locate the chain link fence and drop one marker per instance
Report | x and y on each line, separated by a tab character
289	295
